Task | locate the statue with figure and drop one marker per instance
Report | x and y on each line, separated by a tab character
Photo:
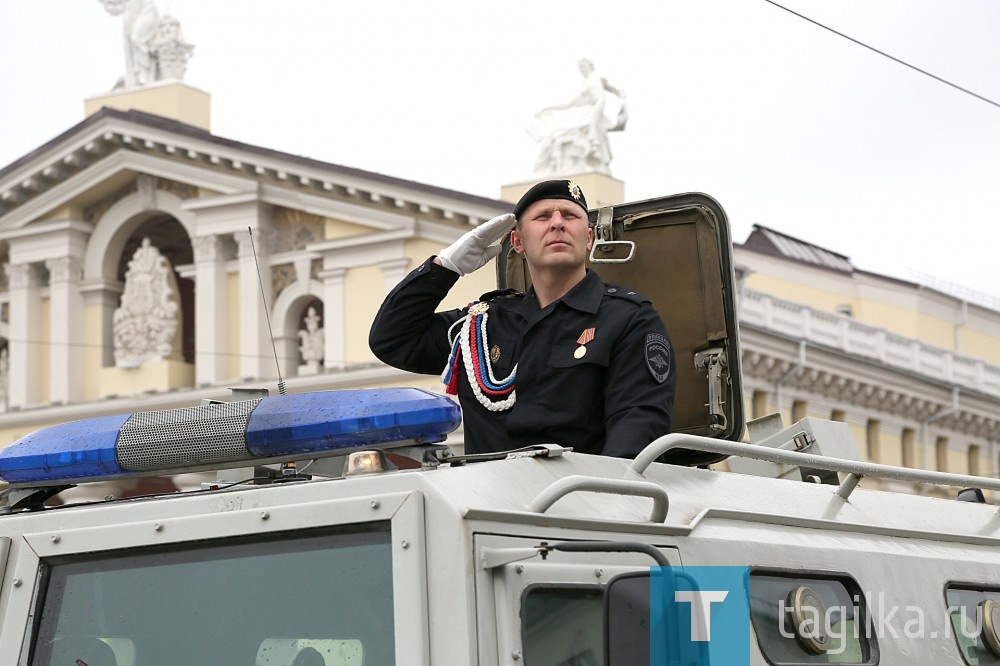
155	50
573	136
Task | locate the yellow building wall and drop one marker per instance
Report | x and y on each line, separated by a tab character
897	319
233	348
468	288
363	294
11	435
340	229
364	289
890	449
936	332
45	361
980	345
958	461
92	350
798	292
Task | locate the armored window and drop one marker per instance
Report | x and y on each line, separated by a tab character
975	622
562	626
810	618
246	600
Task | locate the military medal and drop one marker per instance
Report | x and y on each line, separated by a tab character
585	337
495	353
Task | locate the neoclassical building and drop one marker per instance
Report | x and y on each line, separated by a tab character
253	238
231	265
914	370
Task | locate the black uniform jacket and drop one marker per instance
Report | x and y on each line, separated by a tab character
614	399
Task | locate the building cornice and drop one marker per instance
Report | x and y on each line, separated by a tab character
111	132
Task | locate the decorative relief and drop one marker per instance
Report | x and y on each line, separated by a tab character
95	212
861	393
311	343
64	269
22	276
295	229
213	248
282	276
182	190
147	321
247	245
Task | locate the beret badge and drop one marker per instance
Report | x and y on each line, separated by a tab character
574	190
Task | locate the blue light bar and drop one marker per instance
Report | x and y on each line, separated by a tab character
232	434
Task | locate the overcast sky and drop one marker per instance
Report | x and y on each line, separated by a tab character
787	125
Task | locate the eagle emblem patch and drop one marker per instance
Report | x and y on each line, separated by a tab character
658	356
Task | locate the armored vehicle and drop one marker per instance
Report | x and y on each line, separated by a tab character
341	532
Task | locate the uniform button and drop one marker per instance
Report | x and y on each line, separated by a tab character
421	268
612	290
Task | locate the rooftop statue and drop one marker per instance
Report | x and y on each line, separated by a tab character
155	50
573	137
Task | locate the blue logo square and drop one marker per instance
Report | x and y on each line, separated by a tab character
699	616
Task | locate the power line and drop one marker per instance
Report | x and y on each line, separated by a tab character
890	57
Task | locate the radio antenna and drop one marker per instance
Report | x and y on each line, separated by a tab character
260	281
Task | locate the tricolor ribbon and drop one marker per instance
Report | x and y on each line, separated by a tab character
471	346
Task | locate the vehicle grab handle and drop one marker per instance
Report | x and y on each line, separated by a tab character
577	483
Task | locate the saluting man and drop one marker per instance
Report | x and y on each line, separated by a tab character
572	361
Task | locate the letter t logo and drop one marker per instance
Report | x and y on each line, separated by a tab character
701	610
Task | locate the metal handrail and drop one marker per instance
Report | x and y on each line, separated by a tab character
854	468
570	484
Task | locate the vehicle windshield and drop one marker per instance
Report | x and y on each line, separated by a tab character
324	598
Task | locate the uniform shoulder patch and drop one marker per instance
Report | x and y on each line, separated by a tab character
498	294
626	293
658	356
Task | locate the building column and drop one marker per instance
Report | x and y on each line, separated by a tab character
66	332
25	387
211	311
393	272
334	319
107	296
256	357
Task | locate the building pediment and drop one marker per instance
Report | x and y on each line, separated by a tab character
105	153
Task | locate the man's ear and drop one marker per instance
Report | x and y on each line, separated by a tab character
590	238
515	242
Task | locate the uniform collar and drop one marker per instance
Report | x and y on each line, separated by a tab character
584	296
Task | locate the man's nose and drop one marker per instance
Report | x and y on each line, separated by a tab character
557	220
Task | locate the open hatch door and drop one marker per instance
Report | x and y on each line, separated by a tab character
676	251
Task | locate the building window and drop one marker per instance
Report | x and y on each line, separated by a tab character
800	410
838	415
973	460
759	406
909	444
941	454
872	438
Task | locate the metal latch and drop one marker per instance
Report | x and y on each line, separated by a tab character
606	238
713	362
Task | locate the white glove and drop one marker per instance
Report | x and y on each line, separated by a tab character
475	248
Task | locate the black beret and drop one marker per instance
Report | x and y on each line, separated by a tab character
551	189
